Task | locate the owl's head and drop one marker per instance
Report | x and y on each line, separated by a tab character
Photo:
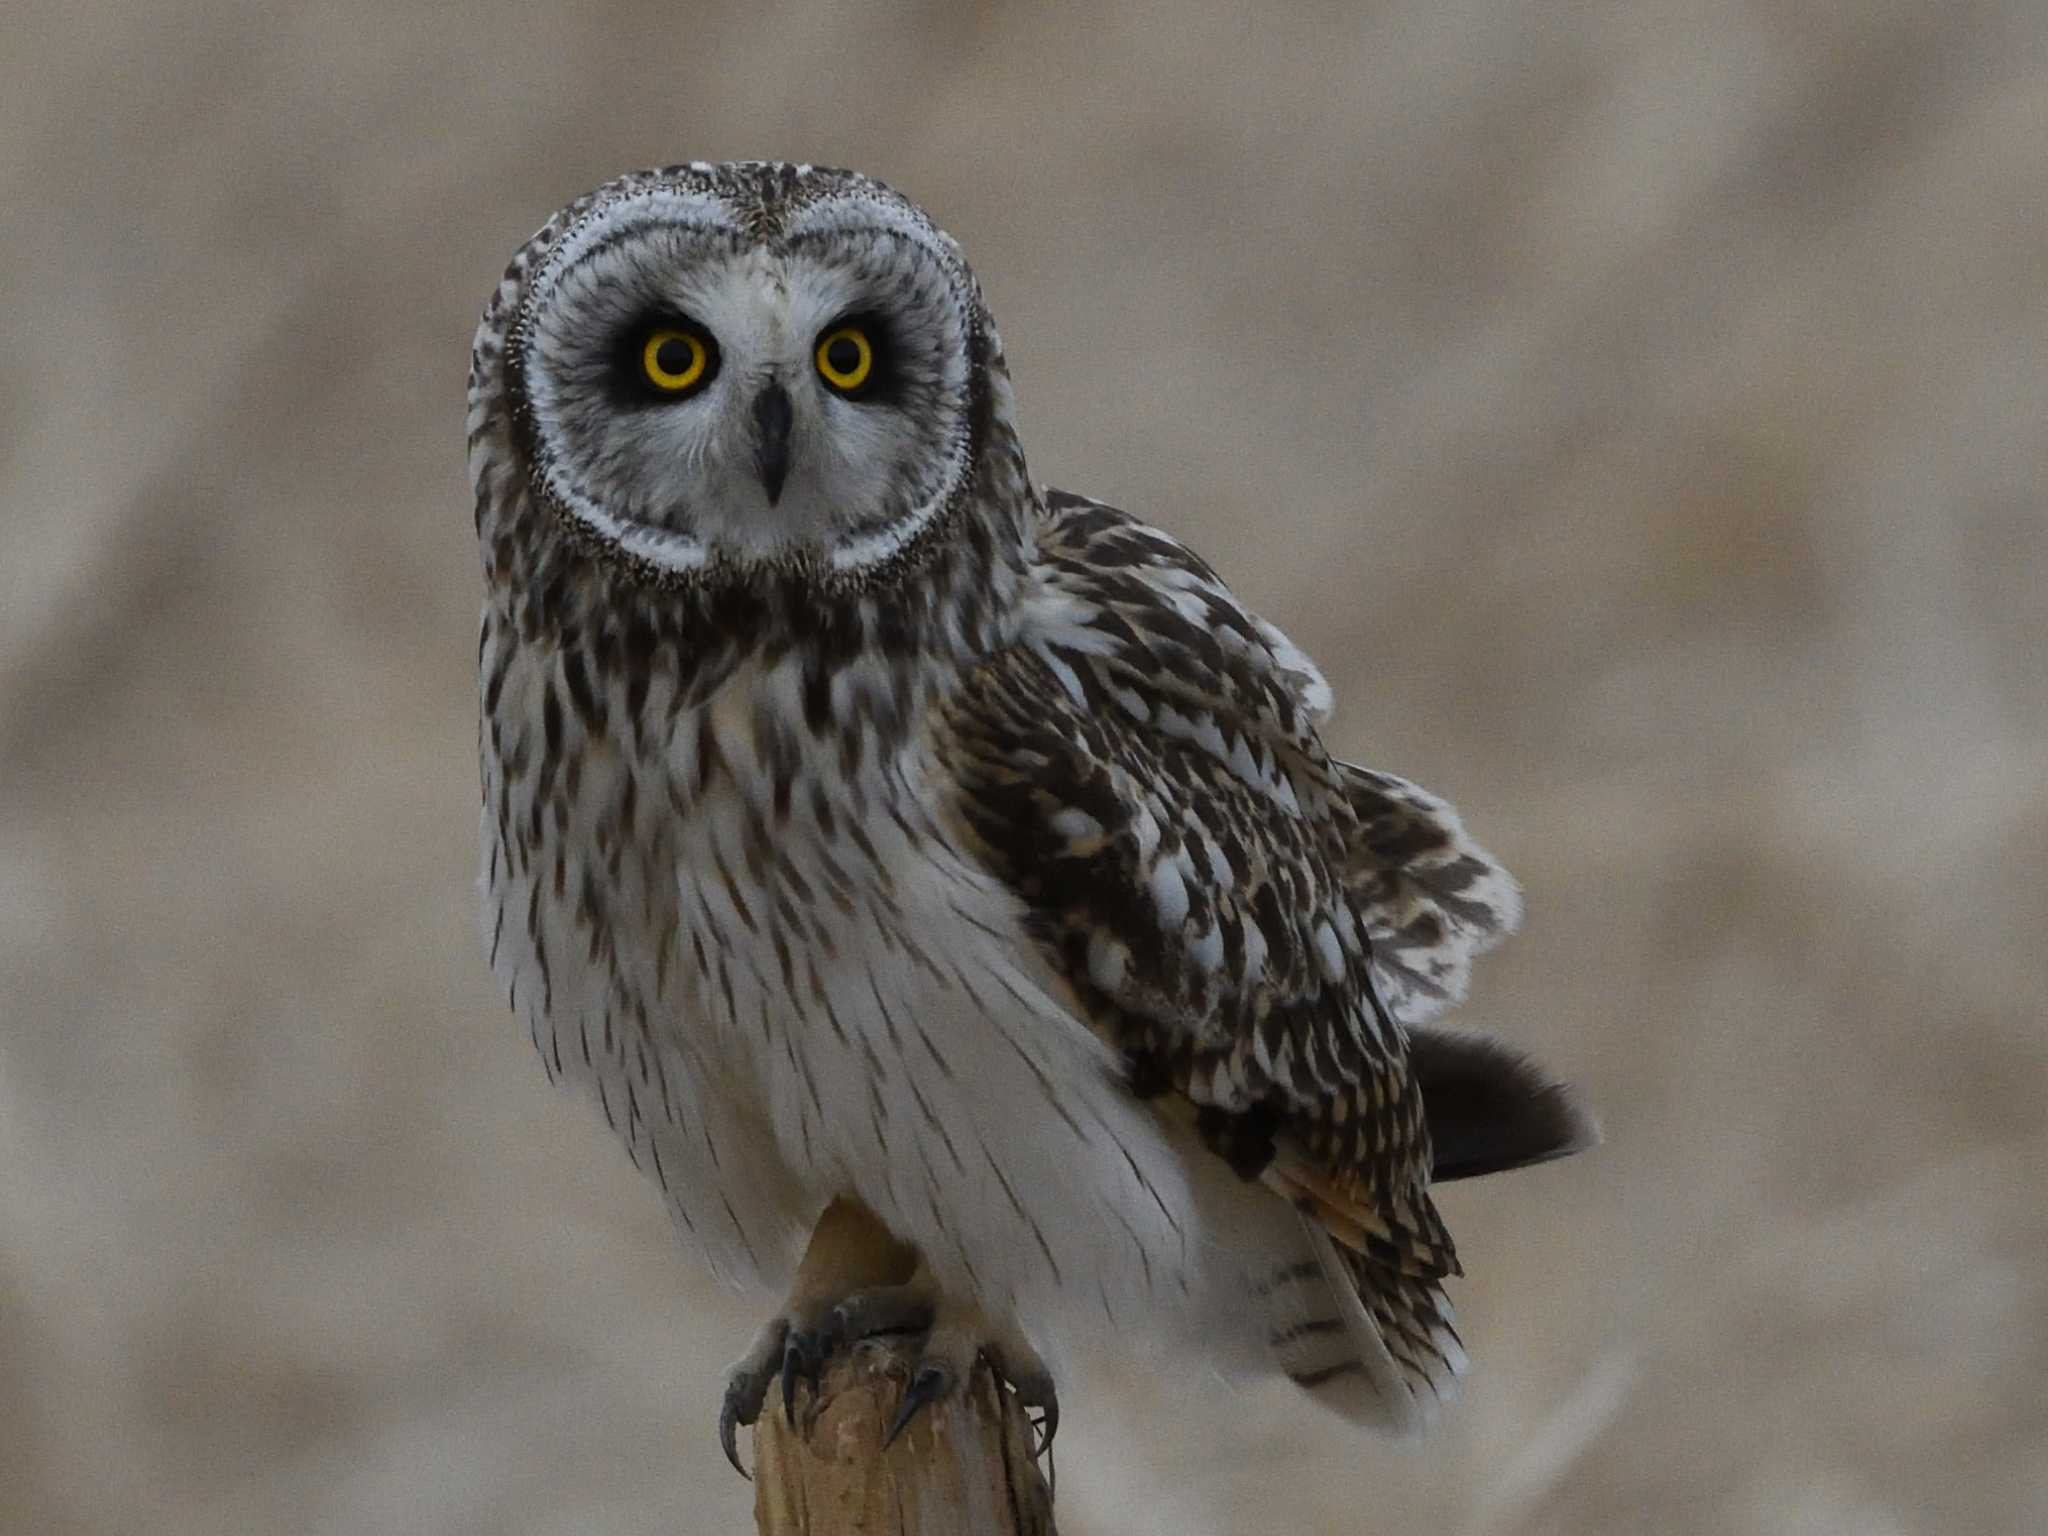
720	370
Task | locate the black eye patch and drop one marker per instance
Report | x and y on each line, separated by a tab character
857	357
659	359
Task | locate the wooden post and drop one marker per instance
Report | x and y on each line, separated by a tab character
962	1467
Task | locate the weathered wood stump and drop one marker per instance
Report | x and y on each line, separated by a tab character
961	1468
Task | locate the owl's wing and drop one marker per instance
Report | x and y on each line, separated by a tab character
1237	911
1144	763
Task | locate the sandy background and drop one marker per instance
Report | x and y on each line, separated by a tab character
1639	408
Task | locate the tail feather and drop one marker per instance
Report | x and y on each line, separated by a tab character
1489	1107
1366	1327
1411	1241
1361	1320
1373	1345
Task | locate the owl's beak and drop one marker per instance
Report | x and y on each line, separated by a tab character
772	418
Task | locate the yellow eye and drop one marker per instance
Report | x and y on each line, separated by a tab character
674	360
846	358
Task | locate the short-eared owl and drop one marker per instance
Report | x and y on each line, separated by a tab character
937	868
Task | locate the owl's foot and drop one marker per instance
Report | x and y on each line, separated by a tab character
794	1347
850	1254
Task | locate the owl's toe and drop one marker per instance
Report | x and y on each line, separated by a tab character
746	1386
930	1382
884	1309
958	1338
803	1358
1035	1389
792	1349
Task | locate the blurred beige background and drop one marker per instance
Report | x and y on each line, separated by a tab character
1642	411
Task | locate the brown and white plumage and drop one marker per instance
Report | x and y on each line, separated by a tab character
864	826
1233	906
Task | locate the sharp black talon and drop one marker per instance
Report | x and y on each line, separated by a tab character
1048	1426
927	1386
746	1386
802	1360
728	1435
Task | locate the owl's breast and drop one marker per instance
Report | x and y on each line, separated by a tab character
880	998
755	937
805	855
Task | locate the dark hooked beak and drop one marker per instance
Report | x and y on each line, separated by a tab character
772	419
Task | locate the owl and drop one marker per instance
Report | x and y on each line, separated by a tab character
938	882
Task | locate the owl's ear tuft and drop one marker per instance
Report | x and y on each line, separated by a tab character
1490	1108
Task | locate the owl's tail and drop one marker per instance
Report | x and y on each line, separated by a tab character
1358	1316
1371	1341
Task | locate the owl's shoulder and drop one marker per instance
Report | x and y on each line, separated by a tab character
1148	604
